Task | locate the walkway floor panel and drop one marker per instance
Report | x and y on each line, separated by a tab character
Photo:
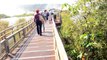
38	47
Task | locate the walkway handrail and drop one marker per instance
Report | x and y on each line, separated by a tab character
12	29
9	43
59	47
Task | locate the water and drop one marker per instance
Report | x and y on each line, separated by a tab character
13	20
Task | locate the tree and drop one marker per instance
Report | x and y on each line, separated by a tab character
88	32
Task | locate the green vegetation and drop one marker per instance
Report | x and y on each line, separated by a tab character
85	37
3	16
18	25
20	21
3	24
23	15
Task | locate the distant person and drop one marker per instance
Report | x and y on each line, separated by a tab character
44	22
45	14
54	17
50	17
38	19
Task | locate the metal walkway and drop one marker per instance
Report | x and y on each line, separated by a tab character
38	47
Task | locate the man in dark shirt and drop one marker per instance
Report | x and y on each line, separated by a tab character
38	22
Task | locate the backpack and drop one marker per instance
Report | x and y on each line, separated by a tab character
38	18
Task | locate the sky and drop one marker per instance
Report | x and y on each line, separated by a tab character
10	7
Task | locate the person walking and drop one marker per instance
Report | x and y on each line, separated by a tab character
38	19
42	13
45	14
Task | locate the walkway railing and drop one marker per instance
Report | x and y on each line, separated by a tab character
12	36
10	30
61	54
16	36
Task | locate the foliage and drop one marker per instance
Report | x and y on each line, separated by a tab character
85	35
20	21
23	15
3	16
3	24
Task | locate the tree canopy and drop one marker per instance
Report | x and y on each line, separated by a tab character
86	35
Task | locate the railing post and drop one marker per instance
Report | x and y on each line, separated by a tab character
32	24
0	48
6	46
2	37
4	33
14	38
19	35
24	33
12	30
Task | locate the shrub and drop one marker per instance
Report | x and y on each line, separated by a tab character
86	35
20	21
3	24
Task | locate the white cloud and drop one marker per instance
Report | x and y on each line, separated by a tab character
23	2
10	7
